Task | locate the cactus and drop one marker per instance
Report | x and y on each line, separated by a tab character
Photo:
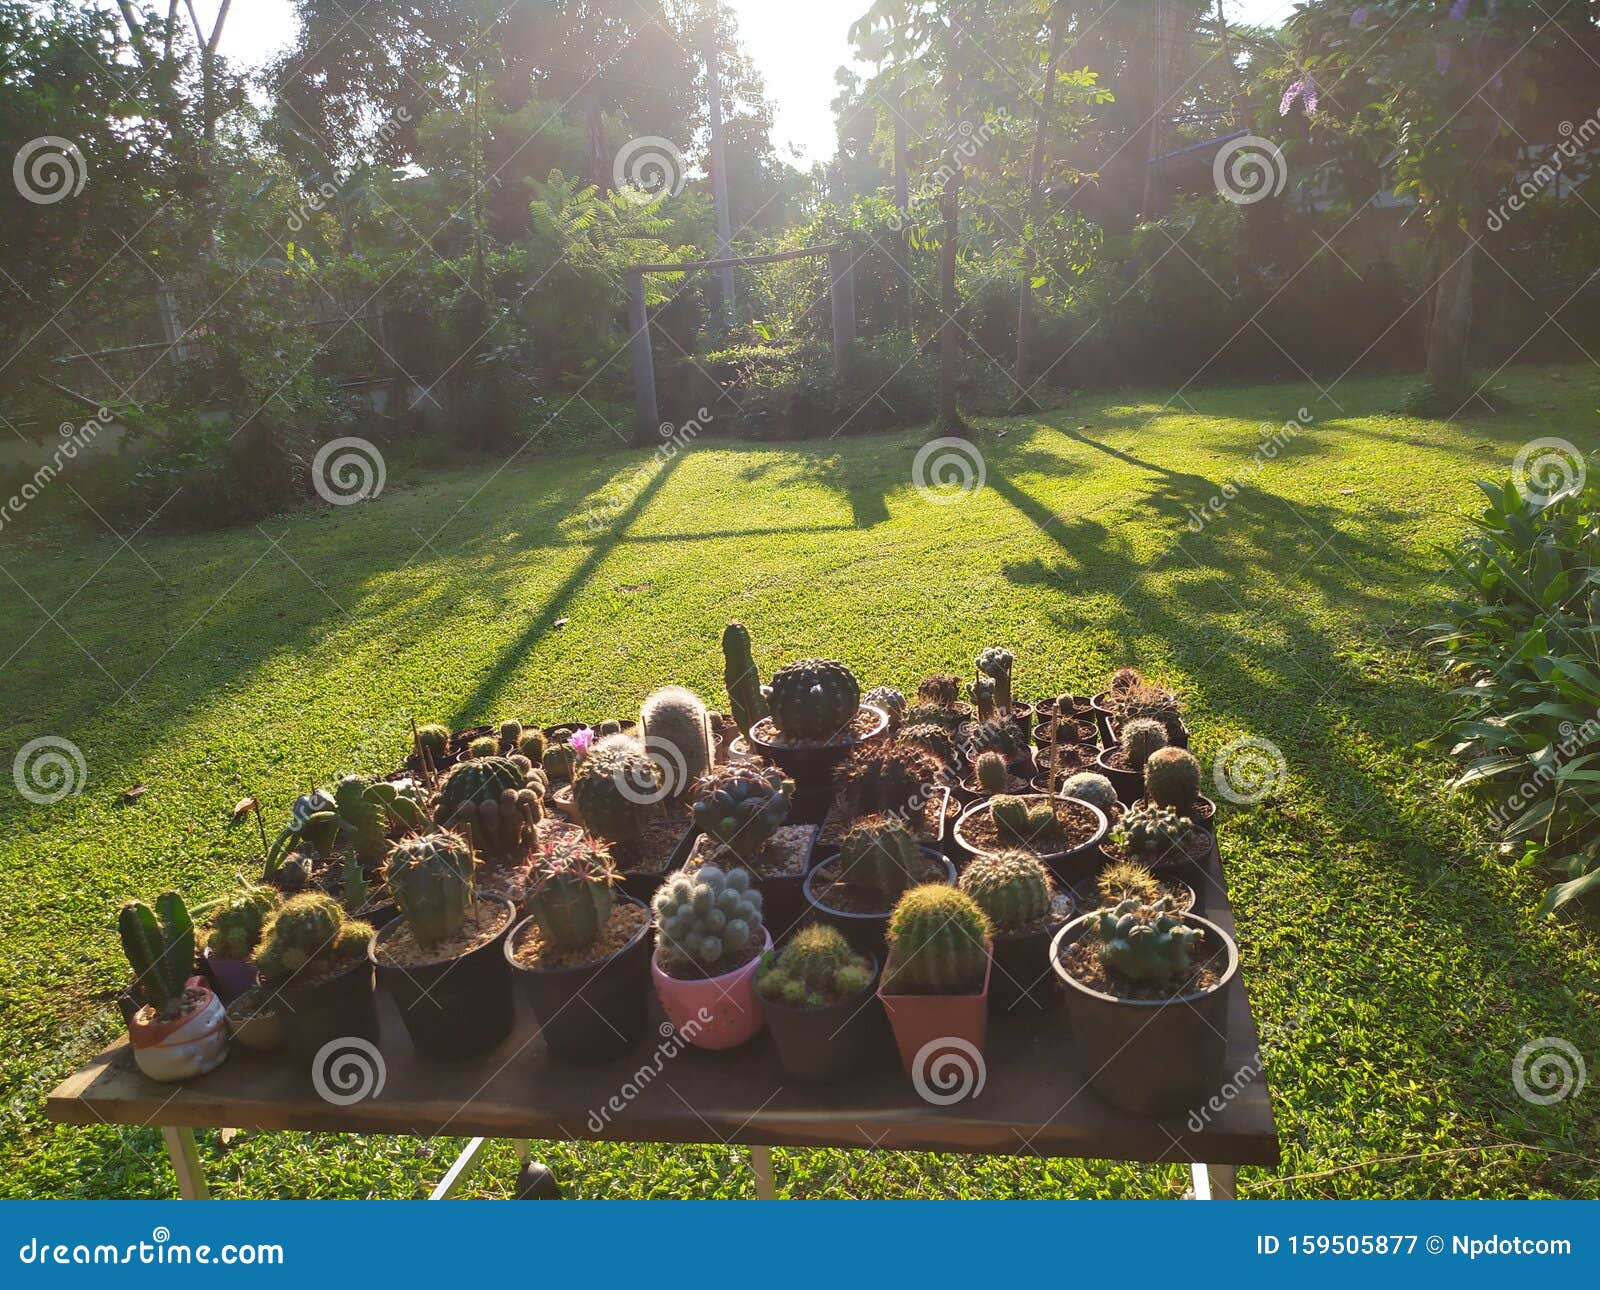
484	746
616	789
560	760
435	741
159	944
1001	736
1140	738
815	969
676	717
532	746
471	783
891	701
742	678
707	920
1011	887
310	931
610	726
431	879
357	818
941	690
934	738
742	806
1152	832
991	772
236	927
1124	679
1032	825
1095	789
982	693
995	662
1128	881
893	779
814	699
880	855
570	892
1145	944
1172	779
496	799
938	943
510	735
1145	700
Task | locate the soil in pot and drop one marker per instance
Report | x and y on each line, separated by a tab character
1022	980
1075	731
714	1012
1082	828
1151	1050
455	998
779	868
831	1042
1071	760
813	762
664	845
927	824
857	913
1175	889
1129	783
590	1003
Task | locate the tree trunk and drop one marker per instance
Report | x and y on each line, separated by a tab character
1450	312
950	206
1030	261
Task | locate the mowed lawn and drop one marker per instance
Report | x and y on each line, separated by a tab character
1391	955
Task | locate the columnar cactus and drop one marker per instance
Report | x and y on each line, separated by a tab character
742	806
891	701
431	879
990	769
814	699
435	741
982	692
1095	789
938	943
560	760
816	968
310	930
510	735
1172	779
742	678
676	717
1153	832
570	893
880	855
1128	881
894	779
1011	887
996	662
1140	738
616	789
236	927
708	921
159	944
1145	944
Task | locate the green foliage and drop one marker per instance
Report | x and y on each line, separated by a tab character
742	806
616	789
814	699
159	945
431	879
707	921
742	678
1172	779
938	943
880	855
1145	944
816	969
570	892
1011	887
236	927
310	933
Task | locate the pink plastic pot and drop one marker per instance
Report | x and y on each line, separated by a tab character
713	1012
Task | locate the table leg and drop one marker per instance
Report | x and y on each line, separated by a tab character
761	1166
458	1172
1215	1182
185	1157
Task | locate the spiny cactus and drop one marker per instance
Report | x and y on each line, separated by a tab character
676	717
610	726
895	779
1095	789
814	699
1140	738
1145	699
742	806
435	741
941	690
1124	679
560	760
492	797
815	969
742	678
1028	824
996	662
938	943
431	879
570	892
891	701
991	772
616	789
532	746
1153	833
236	927
1128	881
880	855
510	734
1011	887
999	735
934	738
357	818
982	692
1146	944
159	944
1172	779
484	746
310	931
708	921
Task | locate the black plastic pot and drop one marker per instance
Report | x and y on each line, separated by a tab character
814	766
1067	867
1102	716
1023	714
865	932
783	899
591	1013
342	1007
460	1007
1022	981
642	886
819	1044
1128	783
1150	1057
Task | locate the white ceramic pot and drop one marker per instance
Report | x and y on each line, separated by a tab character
188	1045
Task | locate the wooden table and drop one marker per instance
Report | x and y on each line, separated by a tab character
1033	1102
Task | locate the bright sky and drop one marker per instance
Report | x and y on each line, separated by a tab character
796	47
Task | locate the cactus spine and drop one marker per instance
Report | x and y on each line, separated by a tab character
435	741
707	920
996	662
570	893
236	927
676	717
991	772
1011	887
1140	738
616	789
310	931
891	701
1172	779
1146	944
742	807
814	699
1095	789
431	879
742	678
938	943
815	969
880	855
159	944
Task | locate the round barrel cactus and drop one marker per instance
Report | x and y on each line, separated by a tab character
814	699
938	943
1011	887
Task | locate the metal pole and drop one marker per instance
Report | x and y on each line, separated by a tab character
646	418
719	177
842	295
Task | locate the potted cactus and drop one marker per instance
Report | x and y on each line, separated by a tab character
746	700
231	939
710	937
856	890
442	959
890	701
897	778
1063	832
180	1029
676	728
1129	880
1172	779
1121	681
1145	700
315	963
619	791
815	992
742	812
493	801
582	956
994	664
1146	1000
1018	896
1066	719
1162	839
1123	763
935	985
816	718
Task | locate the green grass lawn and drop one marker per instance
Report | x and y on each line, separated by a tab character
1392	957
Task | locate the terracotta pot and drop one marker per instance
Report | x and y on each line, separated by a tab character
713	1012
929	1027
193	1043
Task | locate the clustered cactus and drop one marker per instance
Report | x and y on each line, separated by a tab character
532	745
1145	699
707	921
560	760
495	798
1145	944
879	855
814	699
938	943
991	772
1140	738
159	944
616	789
896	778
357	817
1172	779
570	893
892	701
1095	789
742	806
742	678
1011	887
1127	880
431	879
677	718
310	931
995	663
815	969
236	927
1153	833
982	692
1033	825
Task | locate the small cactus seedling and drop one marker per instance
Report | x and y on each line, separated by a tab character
570	892
159	944
742	678
891	701
1124	679
677	726
1172	779
1141	738
1011	887
236	927
941	690
742	806
938	943
1128	881
610	726
616	790
816	969
880	855
1145	944
982	692
1095	789
1153	833
990	769
893	779
708	921
484	746
814	699
995	663
310	931
431	879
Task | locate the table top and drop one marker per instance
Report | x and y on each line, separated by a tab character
1034	1102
